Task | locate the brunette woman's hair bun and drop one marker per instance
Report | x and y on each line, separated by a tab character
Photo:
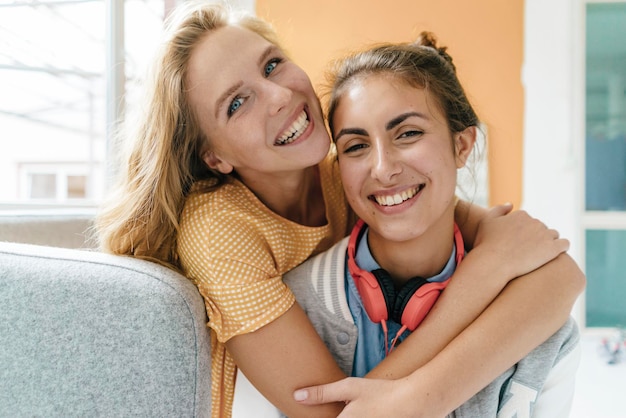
428	39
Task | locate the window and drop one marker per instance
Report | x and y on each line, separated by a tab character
42	186
605	107
53	79
62	182
76	187
605	164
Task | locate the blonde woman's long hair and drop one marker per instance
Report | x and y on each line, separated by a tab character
161	155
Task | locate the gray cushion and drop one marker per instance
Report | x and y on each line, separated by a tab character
84	333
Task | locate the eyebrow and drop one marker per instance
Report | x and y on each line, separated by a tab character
401	118
266	53
220	100
350	131
389	126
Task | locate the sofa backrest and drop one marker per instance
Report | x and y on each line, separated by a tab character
84	333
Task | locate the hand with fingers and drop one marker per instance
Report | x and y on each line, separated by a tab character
532	246
373	398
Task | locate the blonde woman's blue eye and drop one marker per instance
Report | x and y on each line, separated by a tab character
234	105
270	66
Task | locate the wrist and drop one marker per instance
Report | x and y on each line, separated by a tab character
427	393
485	265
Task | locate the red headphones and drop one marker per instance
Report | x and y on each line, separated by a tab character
411	303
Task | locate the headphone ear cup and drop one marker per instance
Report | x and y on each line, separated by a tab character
378	302
404	297
414	301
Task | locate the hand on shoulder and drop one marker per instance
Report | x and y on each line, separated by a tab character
516	241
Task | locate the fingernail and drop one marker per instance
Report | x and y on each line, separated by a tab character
301	395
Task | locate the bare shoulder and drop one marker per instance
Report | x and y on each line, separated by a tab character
467	216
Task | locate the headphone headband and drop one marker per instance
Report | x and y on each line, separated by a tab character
359	229
409	306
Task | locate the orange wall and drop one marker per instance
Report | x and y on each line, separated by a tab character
484	37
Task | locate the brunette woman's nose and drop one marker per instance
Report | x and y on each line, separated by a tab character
384	165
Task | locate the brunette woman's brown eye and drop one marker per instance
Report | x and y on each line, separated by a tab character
412	133
354	148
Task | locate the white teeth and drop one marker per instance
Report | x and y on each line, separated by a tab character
395	199
294	131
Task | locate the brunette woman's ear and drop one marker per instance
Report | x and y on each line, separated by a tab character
463	144
216	163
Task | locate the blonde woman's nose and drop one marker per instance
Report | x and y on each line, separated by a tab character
277	96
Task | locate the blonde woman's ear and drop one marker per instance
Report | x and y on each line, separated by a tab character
216	163
463	144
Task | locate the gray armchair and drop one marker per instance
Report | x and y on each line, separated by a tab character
84	333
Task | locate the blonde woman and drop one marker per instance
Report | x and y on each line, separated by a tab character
230	178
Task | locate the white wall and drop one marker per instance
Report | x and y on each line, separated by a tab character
553	79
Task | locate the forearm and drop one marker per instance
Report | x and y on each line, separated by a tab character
285	355
525	314
464	299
